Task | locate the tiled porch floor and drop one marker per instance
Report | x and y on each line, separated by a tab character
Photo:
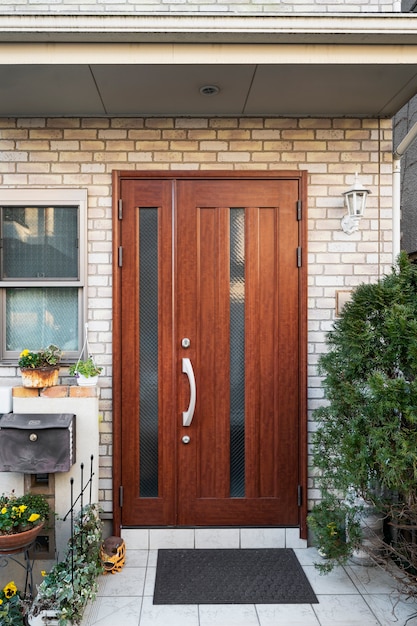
349	596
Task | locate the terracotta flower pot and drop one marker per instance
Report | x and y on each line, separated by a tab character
12	544
39	377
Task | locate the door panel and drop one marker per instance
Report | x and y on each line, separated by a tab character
148	451
227	280
262	436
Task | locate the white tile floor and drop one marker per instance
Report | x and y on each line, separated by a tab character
349	596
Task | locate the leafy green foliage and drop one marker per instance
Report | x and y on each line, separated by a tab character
46	357
336	528
20	513
87	368
73	581
367	432
12	607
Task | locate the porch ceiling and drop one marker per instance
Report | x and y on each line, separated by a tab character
144	66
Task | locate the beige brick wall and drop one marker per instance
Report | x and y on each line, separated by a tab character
83	152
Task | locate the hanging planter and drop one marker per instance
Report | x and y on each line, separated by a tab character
86	372
86	381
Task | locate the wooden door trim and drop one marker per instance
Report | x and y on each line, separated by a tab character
303	318
209	174
117	365
117	177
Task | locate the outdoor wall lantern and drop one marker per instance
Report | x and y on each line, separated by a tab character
355	198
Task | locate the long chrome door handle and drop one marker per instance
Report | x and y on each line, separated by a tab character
187	416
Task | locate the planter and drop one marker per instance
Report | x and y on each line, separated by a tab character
372	527
39	377
12	544
45	618
84	381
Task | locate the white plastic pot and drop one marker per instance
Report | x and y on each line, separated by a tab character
45	618
83	381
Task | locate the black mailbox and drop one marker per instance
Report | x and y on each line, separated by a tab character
37	443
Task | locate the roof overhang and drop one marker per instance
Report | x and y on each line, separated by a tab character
123	65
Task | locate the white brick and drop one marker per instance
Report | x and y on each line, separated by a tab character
336	260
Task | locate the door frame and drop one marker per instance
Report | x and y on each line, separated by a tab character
117	177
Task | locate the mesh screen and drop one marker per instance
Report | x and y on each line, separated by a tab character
148	357
37	317
40	242
237	352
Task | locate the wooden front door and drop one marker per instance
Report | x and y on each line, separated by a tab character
209	379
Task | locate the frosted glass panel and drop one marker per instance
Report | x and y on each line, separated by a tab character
148	358
37	317
237	353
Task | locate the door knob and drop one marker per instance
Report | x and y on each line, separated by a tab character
186	439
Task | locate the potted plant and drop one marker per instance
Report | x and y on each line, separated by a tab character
365	445
12	606
21	520
87	372
329	521
41	368
65	590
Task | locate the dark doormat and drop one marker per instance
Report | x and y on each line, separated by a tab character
264	576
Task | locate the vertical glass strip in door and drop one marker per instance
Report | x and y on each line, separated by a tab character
148	352
237	353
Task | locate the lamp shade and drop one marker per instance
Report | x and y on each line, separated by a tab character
356	198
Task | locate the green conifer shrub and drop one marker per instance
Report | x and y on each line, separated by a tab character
366	439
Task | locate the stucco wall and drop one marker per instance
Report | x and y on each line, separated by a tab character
83	152
203	6
403	122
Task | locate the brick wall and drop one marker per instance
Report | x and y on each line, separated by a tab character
83	152
199	6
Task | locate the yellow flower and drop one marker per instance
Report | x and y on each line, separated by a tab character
43	573
1	601
4	510
24	353
33	517
22	508
333	529
10	590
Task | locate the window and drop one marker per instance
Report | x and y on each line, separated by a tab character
42	269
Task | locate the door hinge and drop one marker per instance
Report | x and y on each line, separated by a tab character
299	495
121	496
299	210
299	256
120	256
120	209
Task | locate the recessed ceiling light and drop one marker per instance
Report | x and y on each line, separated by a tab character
209	90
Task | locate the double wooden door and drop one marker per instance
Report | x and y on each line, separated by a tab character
209	380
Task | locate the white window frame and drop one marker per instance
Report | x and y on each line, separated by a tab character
49	197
